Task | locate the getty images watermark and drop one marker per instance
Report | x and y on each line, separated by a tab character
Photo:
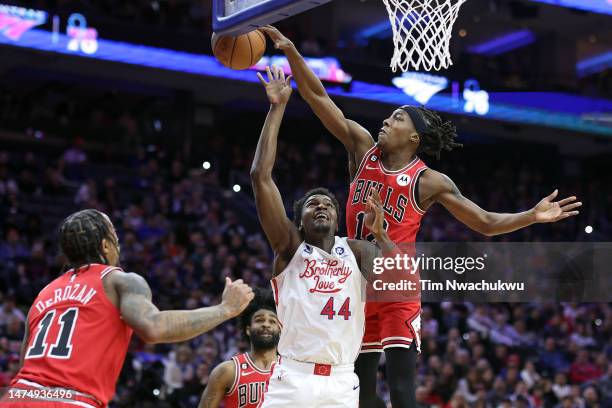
412	265
493	272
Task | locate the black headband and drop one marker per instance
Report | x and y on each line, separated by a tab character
418	121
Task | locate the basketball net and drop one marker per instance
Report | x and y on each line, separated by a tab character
422	30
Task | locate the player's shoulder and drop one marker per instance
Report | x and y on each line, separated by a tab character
433	178
225	372
360	246
128	281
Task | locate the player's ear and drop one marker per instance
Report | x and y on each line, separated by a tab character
106	244
415	138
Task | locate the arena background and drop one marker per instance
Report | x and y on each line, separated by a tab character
166	149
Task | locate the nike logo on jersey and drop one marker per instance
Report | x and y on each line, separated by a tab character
247	373
355	387
371	167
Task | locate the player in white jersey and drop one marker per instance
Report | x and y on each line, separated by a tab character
318	280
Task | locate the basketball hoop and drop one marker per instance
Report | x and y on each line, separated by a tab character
422	30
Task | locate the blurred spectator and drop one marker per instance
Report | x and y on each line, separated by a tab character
582	369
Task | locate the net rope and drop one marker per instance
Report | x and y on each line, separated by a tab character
422	30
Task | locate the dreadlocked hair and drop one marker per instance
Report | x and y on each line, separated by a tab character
263	300
440	134
81	236
298	206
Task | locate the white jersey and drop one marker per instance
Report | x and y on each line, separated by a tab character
320	305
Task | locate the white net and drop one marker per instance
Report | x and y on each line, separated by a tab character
422	30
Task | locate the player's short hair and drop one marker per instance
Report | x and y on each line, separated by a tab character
298	206
439	134
263	300
81	236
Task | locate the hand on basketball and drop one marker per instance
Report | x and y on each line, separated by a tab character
236	296
548	210
280	41
278	88
375	216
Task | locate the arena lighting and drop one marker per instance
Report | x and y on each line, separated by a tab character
206	165
502	44
420	86
236	188
593	65
588	229
554	113
327	69
378	30
596	6
15	21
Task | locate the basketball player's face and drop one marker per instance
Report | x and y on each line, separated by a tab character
397	132
264	329
319	215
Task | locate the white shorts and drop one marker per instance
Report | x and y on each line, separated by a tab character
294	384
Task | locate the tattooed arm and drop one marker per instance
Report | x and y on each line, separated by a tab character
219	383
155	326
435	187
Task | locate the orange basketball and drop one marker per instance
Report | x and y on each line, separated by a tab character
239	52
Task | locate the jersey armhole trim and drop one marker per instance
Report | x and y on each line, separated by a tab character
104	295
414	190
364	160
236	376
109	270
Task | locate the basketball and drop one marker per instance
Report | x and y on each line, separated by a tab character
239	52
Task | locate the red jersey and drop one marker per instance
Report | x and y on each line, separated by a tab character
249	384
77	339
397	192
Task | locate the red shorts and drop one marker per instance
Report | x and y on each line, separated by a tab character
396	324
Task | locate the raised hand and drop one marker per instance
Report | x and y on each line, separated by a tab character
375	216
280	41
278	88
548	210
236	296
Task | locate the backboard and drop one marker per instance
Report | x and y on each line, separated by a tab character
234	17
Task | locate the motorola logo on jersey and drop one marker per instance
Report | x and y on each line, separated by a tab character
403	180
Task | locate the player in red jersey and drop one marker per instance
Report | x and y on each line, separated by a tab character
79	326
241	381
408	188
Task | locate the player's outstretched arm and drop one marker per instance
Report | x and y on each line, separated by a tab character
280	231
155	326
352	166
355	138
437	187
219	383
366	251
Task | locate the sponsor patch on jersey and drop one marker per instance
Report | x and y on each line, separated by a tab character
308	249
244	366
339	250
403	180
374	158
